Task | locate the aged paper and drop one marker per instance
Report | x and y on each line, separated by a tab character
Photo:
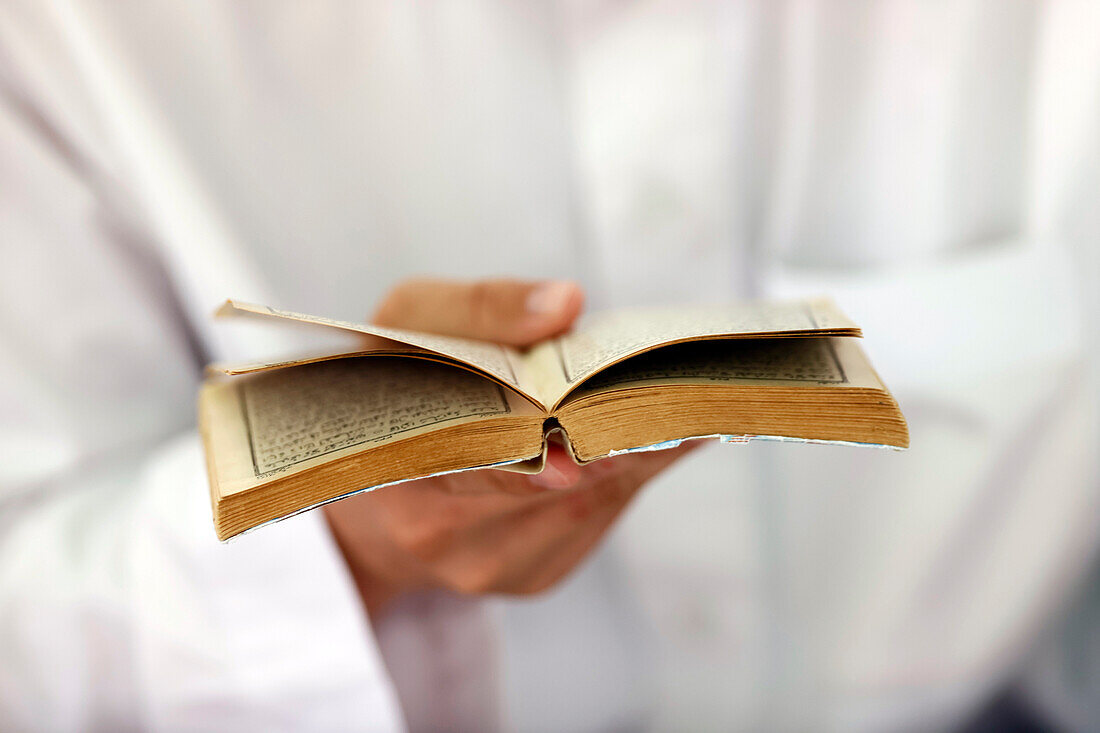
290	420
548	371
544	374
606	338
323	408
501	362
816	362
374	347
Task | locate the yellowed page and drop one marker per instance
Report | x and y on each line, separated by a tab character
544	376
603	339
500	362
813	389
373	346
817	362
289	420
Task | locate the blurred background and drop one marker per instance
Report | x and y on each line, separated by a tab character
934	166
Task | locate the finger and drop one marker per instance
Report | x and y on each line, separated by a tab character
498	554
640	465
542	537
536	546
561	531
557	559
560	471
615	480
514	312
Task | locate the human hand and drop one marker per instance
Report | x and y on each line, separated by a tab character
486	531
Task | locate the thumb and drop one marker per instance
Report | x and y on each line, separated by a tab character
514	312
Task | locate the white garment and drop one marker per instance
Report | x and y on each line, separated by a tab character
933	165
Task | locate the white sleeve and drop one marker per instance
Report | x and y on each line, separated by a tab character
120	611
118	608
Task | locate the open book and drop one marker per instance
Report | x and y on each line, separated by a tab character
285	436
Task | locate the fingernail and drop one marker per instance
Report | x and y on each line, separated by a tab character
550	297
